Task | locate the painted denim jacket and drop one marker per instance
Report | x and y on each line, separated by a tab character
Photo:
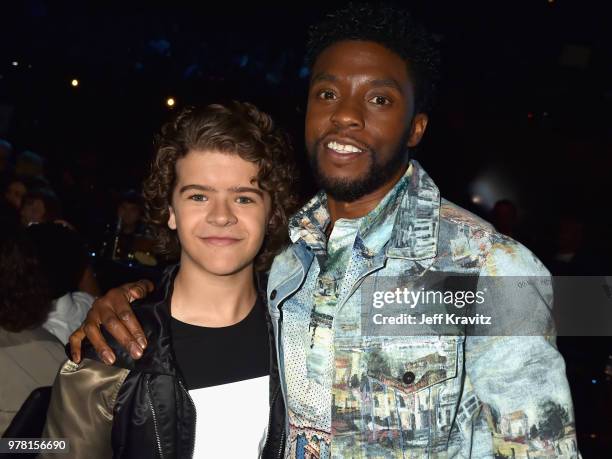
350	394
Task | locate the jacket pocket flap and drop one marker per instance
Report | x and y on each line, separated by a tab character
415	363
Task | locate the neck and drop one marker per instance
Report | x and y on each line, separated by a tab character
364	205
209	300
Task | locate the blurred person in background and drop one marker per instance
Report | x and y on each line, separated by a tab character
62	255
40	205
129	212
13	191
43	206
127	237
29	354
29	164
572	255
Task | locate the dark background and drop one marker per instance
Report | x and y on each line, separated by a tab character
524	110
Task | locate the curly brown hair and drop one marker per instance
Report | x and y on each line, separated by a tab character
25	290
237	128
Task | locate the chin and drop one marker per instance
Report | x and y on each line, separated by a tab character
223	269
344	173
340	182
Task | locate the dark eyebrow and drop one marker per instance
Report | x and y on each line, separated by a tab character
323	77
386	83
246	189
235	189
378	83
196	187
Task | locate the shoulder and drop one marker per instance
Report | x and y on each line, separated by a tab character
507	257
284	256
453	214
500	255
286	262
29	342
154	319
27	336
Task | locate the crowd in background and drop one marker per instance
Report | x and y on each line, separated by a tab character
58	251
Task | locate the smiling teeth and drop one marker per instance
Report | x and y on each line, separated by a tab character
341	148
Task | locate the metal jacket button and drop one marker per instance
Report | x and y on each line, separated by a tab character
408	377
273	294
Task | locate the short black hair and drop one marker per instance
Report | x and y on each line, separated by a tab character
391	27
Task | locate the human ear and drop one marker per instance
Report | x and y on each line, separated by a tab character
417	129
171	218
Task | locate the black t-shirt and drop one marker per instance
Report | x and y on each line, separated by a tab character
213	356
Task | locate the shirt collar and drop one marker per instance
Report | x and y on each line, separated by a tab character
417	221
310	222
376	227
407	218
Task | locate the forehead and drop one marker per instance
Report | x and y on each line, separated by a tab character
353	59
210	167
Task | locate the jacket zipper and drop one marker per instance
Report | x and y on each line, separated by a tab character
270	415
280	451
282	444
195	417
158	440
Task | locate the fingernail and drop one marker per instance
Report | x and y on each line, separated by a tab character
135	351
108	357
76	358
142	342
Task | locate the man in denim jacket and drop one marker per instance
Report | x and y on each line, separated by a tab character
350	393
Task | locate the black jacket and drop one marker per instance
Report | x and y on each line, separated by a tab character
153	414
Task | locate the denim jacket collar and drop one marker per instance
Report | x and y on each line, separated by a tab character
415	230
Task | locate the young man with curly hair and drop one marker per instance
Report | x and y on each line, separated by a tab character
380	219
217	196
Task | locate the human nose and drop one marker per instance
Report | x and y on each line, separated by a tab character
221	214
348	114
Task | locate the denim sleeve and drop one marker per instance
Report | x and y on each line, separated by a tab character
519	375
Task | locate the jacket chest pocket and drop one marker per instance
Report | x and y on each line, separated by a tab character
413	388
411	364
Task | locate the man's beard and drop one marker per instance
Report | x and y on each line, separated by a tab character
350	190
